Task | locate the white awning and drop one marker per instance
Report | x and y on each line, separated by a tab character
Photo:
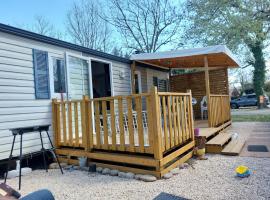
218	56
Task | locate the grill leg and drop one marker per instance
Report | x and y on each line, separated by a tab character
10	157
20	172
55	155
43	152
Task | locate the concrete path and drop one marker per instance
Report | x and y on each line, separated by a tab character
254	133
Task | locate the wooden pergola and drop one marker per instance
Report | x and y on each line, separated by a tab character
203	59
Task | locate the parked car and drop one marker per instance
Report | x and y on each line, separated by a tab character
247	100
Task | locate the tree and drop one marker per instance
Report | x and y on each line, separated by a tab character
236	23
43	26
86	27
117	52
146	25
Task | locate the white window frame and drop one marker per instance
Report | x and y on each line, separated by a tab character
67	54
110	69
51	76
88	59
139	80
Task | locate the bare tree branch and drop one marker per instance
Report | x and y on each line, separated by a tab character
146	25
87	28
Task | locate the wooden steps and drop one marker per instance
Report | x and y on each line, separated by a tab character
208	132
216	144
219	141
234	147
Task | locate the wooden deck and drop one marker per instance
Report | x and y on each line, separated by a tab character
209	132
149	133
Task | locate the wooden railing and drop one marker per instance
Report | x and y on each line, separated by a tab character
219	110
177	119
149	123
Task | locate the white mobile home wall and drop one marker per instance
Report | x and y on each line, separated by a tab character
18	106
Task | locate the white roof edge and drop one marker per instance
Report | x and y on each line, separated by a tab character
185	53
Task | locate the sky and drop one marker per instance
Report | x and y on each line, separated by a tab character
22	12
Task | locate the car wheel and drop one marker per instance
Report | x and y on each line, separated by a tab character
234	106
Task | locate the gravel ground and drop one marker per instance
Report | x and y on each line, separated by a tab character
211	179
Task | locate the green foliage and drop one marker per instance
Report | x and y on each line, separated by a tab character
267	86
238	24
251	118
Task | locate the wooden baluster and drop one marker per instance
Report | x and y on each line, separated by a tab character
121	124
180	134
87	122
138	101
83	124
185	118
105	124
97	123
113	131
158	153
174	122
90	121
170	121
70	136
55	122
182	118
149	121
130	124
77	139
191	120
58	108
64	122
166	134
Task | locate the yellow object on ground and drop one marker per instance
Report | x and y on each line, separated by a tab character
200	152
241	169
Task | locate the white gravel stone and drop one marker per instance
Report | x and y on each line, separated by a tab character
84	168
175	171
106	171
167	176
56	166
99	169
148	178
114	172
130	175
211	179
138	176
76	167
122	174
186	165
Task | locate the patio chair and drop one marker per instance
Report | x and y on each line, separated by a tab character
203	107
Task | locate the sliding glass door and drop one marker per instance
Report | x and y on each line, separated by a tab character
101	79
78	72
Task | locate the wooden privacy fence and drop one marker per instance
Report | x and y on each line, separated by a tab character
219	111
148	123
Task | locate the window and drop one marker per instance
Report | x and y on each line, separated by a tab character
137	80
155	81
161	84
78	69
41	74
59	76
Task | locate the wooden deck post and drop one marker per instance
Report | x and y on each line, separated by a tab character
207	87
55	124
191	115
85	123
133	66
158	154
